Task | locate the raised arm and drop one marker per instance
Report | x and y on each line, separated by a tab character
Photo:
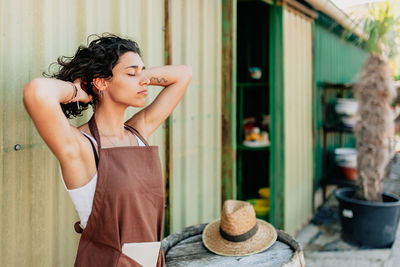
175	79
42	98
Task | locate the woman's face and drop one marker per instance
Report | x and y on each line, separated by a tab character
128	86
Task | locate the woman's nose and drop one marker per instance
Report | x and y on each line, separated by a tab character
144	80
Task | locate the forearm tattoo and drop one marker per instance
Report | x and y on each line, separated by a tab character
158	80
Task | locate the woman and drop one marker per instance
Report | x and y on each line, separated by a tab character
113	176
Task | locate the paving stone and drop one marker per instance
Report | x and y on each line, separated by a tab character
307	234
364	258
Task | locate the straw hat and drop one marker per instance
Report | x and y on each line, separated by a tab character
238	232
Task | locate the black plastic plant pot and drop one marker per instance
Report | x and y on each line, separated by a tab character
368	224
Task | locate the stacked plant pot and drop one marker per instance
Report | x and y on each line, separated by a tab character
347	108
346	160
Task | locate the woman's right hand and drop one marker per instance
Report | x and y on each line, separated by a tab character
82	95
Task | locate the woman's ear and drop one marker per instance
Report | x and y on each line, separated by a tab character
100	84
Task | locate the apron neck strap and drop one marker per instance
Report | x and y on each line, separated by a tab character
94	131
136	132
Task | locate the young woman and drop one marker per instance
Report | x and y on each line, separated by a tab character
113	176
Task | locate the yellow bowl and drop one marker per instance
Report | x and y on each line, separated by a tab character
264	192
261	210
259	202
261	207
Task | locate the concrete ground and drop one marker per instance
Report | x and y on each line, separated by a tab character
326	249
323	247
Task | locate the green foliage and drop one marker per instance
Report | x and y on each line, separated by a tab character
382	29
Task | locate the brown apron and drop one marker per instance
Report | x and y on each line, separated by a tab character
128	204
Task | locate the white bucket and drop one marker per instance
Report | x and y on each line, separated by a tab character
346	106
346	157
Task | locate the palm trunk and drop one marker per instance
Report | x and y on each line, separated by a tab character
375	93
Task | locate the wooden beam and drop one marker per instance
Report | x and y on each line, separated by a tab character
228	100
277	148
269	2
167	123
301	8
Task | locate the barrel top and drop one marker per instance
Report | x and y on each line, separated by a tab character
185	248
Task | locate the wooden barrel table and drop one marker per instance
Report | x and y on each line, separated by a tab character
184	248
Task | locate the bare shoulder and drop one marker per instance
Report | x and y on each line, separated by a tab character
85	128
82	143
85	143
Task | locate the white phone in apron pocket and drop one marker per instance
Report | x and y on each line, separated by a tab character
145	253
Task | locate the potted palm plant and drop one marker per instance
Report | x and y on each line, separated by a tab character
369	216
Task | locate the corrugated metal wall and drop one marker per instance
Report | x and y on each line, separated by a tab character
338	61
196	123
297	32
37	216
36	212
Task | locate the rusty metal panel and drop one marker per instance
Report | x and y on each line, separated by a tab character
297	120
36	216
196	123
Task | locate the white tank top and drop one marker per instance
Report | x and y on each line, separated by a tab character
82	197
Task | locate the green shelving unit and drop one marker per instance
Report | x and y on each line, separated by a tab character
252	95
252	161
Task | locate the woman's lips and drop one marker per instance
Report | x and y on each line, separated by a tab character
144	92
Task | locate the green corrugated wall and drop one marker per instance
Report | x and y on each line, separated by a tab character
335	60
298	139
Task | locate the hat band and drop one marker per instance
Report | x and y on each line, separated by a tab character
239	238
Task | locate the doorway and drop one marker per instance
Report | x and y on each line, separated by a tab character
253	110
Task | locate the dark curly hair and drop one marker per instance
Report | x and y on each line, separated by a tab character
95	61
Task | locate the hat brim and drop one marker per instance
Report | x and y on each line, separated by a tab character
264	238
